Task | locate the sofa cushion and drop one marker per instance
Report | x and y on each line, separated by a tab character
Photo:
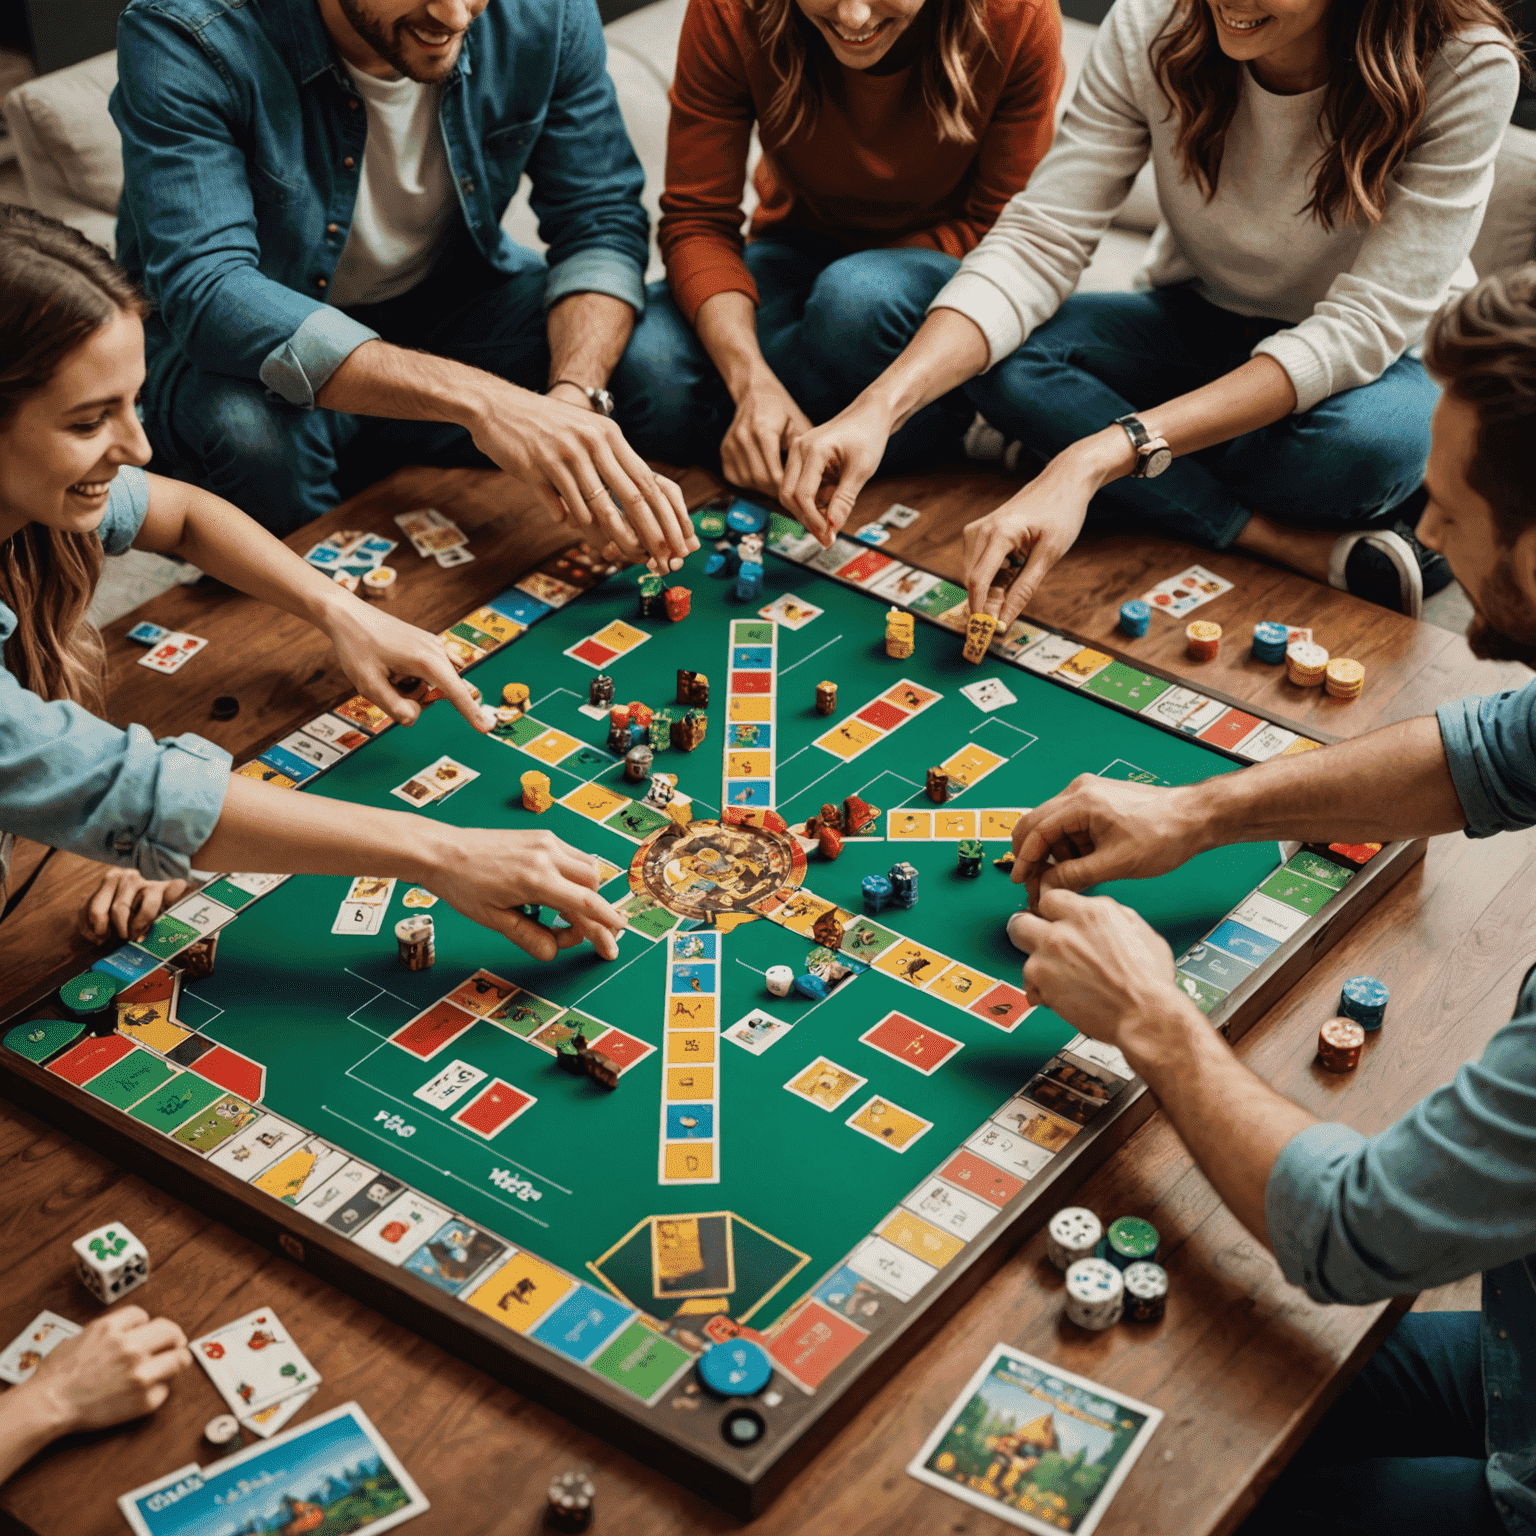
1508	235
67	142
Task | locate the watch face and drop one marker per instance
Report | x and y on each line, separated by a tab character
1156	462
603	401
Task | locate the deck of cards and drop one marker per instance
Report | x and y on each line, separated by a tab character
433	534
258	1370
33	1345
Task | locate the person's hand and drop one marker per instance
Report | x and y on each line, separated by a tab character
828	466
127	904
1104	829
487	875
1097	964
375	648
1009	552
765	427
119	1368
583	471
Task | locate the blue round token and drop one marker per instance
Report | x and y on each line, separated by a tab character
737	1368
1364	999
745	518
1135	616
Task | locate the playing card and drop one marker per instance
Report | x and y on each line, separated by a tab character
1181	594
791	612
989	694
460	555
756	1031
899	516
436	539
873	533
372	890
269	1420
413	524
320	753
22	1356
448	776
450	1085
147	633
374	548
418	790
172	653
359	917
323	556
253	1363
401	1228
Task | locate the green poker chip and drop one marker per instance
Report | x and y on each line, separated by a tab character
38	1039
711	524
89	993
1130	1240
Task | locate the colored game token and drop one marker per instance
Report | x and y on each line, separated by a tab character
1306	664
1134	617
830	842
1095	1294
1269	642
679	603
570	1501
737	1368
711	524
515	696
692	688
1345	678
89	997
749	581
968	855
379	582
937	787
1339	1043
1146	1292
414	937
751	547
226	707
780	980
714	564
826	698
1364	999
979	629
38	1039
877	893
1202	640
811	986
1129	1239
600	692
223	1430
903	878
1072	1234
637	764
745	518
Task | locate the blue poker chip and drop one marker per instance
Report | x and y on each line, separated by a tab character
745	518
1269	642
737	1368
1135	616
1364	999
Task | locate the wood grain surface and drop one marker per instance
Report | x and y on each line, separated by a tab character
1242	1364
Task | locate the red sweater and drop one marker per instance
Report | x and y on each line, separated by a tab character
871	173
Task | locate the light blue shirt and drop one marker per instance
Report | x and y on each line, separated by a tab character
1450	1189
71	780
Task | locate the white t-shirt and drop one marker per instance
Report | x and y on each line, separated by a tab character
405	198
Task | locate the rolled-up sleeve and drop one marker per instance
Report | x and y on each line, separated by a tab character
1449	1190
1490	747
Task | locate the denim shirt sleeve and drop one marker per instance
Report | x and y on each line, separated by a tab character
188	194
586	178
1449	1190
1490	745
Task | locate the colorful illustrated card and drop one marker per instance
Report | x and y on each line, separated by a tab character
1036	1446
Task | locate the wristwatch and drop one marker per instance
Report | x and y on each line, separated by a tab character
601	401
1153	455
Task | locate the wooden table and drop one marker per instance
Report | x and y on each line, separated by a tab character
1243	1365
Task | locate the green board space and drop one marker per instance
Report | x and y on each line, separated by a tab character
317	1008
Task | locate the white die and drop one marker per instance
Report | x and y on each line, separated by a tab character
111	1261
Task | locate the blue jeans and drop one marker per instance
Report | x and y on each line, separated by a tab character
286	466
1344	464
827	323
1402	1451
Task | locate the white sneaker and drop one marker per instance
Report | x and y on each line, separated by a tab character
1381	567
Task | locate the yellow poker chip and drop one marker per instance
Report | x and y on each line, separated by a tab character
1345	672
1203	629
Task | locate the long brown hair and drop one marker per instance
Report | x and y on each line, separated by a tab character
1379	52
944	70
56	291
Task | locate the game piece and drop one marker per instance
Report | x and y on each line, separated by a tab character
110	1261
938	786
379	582
600	692
571	1497
1202	640
859	817
637	764
826	698
618	729
226	707
751	547
601	1068
688	730
749	581
1072	1234
979	629
1095	1294
969	857
662	791
1364	999
900	634
1339	1043
737	1368
877	894
711	524
746	518
1345	678
780	980
659	731
1146	1292
1306	664
568	1055
827	930
830	842
89	997
147	634
1003	861
536	795
515	696
1128	1239
678	602
692	688
223	1430
903	878
830	816
1269	643
640	714
1358	854
714	564
414	936
197	960
811	986
1134	618
653	602
681	812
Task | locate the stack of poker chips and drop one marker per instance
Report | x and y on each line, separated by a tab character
659	730
1095	1294
515	696
859	816
89	997
969	855
937	787
1269	643
900	634
640	716
571	1497
1339	1042
1306	664
1202	640
1130	1240
1146	1292
877	894
1072	1234
679	601
1134	618
826	698
618	729
903	878
1345	678
536	795
692	687
600	691
1364	1000
653	602
418	950
749	581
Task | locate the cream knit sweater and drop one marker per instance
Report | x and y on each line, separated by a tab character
1356	298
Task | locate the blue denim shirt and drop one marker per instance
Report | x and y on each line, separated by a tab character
243	146
70	780
1451	1188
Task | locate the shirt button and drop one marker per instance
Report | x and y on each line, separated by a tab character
349	162
319	282
330	229
1503	1333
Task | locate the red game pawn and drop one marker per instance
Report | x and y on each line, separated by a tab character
679	600
830	841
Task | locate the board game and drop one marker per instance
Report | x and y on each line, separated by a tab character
822	1174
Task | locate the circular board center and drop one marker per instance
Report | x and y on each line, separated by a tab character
711	868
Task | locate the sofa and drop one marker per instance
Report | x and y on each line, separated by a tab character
72	166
